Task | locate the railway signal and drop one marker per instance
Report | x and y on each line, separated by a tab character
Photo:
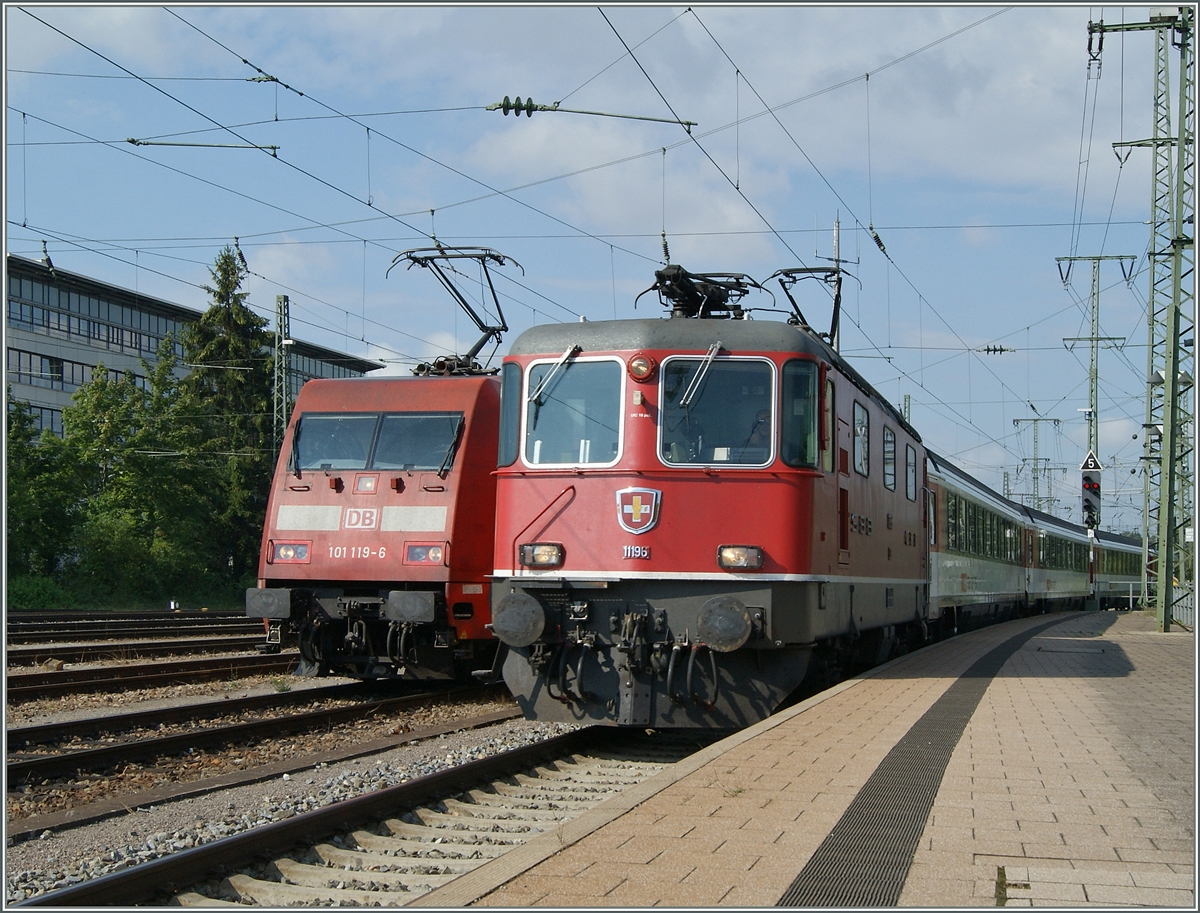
1091	500
1091	491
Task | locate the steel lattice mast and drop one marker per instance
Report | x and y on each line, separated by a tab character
1169	459
281	398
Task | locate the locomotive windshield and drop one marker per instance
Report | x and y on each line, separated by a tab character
409	440
573	412
718	412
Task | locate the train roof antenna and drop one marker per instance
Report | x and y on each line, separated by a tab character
428	257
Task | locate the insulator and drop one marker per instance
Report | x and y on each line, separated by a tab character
506	105
517	105
666	252
529	107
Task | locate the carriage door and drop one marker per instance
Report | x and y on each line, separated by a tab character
1028	559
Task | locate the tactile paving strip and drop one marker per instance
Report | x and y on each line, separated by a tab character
866	857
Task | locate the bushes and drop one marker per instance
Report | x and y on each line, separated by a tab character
35	593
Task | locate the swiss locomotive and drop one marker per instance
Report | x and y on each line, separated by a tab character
378	541
696	513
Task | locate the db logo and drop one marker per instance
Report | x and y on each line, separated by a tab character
360	518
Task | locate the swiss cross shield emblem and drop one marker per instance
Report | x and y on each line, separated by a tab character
637	509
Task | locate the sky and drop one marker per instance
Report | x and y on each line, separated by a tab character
977	142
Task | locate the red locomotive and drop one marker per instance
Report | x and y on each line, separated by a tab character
686	506
378	541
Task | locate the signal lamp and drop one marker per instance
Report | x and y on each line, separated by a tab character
740	556
542	554
641	367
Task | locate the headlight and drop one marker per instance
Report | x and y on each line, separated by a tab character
739	556
423	553
542	554
641	367
290	552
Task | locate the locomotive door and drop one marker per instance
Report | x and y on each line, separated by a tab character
843	474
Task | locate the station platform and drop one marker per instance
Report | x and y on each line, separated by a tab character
1047	761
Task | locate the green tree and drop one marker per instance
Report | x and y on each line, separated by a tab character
42	506
147	489
228	350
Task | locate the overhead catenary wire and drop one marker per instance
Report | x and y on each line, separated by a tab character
291	165
748	202
857	324
739	120
391	139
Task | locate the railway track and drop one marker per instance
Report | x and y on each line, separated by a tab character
115	723
29	769
24	686
394	845
129	649
50	633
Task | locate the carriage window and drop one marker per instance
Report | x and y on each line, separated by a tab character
862	438
910	465
889	458
333	441
798	443
418	440
721	414
573	413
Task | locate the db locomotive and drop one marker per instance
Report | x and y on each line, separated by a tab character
695	514
377	549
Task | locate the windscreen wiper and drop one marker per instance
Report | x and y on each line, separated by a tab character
546	380
448	459
295	456
701	373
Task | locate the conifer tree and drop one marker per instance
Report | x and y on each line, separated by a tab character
228	351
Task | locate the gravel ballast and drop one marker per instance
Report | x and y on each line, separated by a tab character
59	859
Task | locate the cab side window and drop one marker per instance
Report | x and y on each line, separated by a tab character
862	439
889	458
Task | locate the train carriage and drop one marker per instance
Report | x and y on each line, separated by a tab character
1117	570
978	543
1058	568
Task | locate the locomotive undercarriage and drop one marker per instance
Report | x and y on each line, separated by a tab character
369	634
690	654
